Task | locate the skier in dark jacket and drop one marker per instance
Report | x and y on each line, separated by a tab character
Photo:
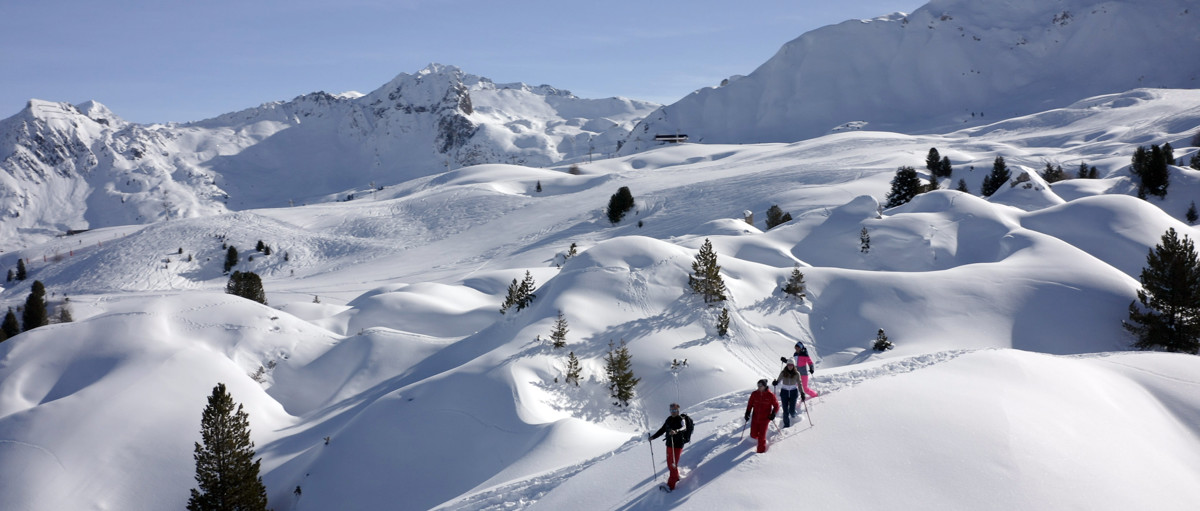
678	428
764	405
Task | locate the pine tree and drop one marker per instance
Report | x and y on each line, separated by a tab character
795	284
1191	213
619	204
559	335
705	278
525	292
998	177
35	314
1082	173
618	367
1169	316
905	185
1053	174
864	239
1195	161
945	170
231	259
64	311
776	216
574	370
248	285
10	326
962	186
881	342
572	251
21	273
259	246
539	187
10	276
933	162
1150	166
723	322
520	294
226	471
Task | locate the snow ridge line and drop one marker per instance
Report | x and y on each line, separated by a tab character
524	493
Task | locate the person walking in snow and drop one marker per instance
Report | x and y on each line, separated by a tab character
764	406
805	364
678	428
789	389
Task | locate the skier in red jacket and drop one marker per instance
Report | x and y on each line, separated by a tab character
764	405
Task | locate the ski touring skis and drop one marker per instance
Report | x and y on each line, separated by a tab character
664	488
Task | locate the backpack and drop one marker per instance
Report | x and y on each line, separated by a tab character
688	427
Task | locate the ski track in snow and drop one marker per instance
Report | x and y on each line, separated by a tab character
524	493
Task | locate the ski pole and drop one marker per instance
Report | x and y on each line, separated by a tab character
744	429
653	464
807	412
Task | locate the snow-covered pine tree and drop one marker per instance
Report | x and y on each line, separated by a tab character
574	370
559	335
723	322
881	342
1169	316
795	284
705	278
618	367
226	471
864	240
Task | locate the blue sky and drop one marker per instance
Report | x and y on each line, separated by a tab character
168	60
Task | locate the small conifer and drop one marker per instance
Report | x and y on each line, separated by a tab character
618	367
795	284
558	336
881	342
705	278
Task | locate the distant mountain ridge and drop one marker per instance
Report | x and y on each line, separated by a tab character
948	65
69	167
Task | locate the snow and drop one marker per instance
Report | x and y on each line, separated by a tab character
1009	387
382	374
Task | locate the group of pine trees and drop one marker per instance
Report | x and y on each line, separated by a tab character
34	314
520	294
906	183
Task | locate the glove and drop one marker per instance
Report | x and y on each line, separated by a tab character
812	370
783	360
747	416
772	416
774	383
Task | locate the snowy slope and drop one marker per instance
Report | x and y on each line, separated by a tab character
1007	387
950	63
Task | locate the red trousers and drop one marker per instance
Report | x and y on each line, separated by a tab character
673	454
758	430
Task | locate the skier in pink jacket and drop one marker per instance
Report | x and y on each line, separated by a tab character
806	367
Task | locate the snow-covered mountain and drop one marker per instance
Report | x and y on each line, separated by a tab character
382	375
71	167
949	64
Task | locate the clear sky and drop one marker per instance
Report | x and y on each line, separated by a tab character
169	60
